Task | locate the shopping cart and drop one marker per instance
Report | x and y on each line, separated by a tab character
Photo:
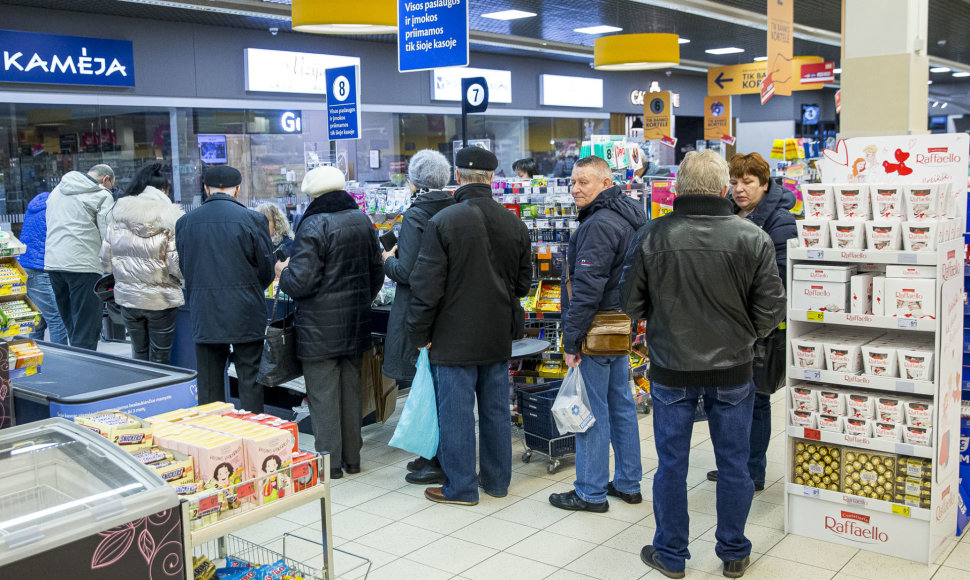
298	553
541	434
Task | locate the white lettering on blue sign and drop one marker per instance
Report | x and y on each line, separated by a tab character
85	64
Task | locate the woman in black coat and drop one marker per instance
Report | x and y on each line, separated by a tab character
428	172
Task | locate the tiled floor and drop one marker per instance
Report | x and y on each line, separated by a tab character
378	515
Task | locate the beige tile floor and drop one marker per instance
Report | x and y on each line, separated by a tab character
376	514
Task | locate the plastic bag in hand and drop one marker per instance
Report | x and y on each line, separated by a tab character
571	407
417	430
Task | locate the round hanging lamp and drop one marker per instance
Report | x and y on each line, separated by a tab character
636	51
343	17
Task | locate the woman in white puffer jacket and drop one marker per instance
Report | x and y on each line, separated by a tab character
139	250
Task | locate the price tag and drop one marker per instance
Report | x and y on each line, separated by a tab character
301	470
246	490
907	323
810	491
31	371
906	258
905	449
905	387
813	434
815	316
6	290
208	504
813	375
816	254
902	510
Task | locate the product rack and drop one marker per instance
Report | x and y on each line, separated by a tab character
13	247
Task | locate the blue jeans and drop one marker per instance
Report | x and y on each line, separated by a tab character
729	420
458	388
607	380
40	292
760	437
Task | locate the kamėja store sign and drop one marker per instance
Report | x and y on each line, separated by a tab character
30	57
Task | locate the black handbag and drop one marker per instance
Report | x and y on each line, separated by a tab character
279	362
769	361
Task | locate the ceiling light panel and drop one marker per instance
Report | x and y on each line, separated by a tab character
683	40
961	74
508	15
939	69
726	50
602	29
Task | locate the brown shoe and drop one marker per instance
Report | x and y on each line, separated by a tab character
435	495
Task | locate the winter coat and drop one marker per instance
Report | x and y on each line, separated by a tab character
333	276
226	257
283	249
140	251
475	263
400	355
77	221
607	228
772	215
707	285
34	232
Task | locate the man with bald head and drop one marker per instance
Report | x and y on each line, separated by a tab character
608	221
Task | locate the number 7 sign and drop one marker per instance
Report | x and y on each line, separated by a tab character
474	95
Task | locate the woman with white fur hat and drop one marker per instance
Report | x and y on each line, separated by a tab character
333	275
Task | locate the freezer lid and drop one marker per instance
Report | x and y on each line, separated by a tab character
60	482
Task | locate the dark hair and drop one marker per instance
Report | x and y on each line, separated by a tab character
148	176
227	465
275	458
528	165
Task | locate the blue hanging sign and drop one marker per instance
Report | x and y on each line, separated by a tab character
30	57
431	34
343	102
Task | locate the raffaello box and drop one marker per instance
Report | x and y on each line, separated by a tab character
833	423
860	289
879	295
858	426
884	235
891	410
852	202
804	397
803	419
910	298
848	234
819	201
916	363
910	272
919	413
843	354
879	359
922	202
860	406
918	435
831	402
888	431
820	296
813	234
887	201
919	236
808	352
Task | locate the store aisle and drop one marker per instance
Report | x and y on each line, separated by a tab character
377	515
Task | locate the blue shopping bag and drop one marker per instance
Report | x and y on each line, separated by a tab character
417	430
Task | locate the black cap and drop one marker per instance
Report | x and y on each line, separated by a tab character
476	158
222	176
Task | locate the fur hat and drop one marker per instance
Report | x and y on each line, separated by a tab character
429	169
323	180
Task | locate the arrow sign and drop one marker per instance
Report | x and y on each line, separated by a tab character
720	80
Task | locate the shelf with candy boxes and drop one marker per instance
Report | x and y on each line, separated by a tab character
894	479
537	185
24	357
18	315
13	278
10	245
893	217
878	358
543	298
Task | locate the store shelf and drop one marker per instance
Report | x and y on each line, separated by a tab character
890	384
864	320
863	256
870	443
854	501
543	315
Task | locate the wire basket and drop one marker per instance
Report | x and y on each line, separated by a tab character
304	557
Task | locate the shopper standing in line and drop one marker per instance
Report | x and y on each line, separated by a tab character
34	236
333	276
525	168
474	265
766	204
707	284
226	256
140	251
428	172
279	230
77	212
608	222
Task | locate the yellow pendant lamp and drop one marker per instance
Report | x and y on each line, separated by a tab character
621	52
343	17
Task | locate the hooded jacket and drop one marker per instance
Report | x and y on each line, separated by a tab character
707	284
140	251
334	274
400	355
772	215
34	233
607	228
77	221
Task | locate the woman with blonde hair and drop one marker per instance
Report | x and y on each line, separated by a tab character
279	230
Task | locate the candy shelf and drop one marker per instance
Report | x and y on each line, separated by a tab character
863	256
853	501
870	443
889	384
864	320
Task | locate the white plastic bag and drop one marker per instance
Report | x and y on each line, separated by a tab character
571	407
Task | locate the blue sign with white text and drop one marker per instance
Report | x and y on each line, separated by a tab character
431	34
343	102
30	57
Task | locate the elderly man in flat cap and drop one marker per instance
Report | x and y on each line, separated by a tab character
226	256
474	265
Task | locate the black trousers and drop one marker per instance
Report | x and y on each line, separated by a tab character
80	308
152	333
211	361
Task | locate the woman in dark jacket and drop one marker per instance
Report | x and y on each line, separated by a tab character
428	172
766	204
333	276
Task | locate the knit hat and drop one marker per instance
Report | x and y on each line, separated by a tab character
323	180
429	169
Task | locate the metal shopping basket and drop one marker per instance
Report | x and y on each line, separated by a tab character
541	434
298	553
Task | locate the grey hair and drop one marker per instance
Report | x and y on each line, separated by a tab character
429	169
101	170
475	176
704	173
281	226
597	164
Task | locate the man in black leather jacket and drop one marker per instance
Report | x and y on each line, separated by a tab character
707	285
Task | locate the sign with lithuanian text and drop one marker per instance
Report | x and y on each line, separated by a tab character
717	117
431	34
656	115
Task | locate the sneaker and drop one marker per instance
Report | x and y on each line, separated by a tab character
736	568
630	498
650	557
570	500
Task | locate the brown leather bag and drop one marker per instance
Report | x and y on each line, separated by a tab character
610	334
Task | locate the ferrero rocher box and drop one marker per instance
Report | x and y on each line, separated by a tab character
816	465
868	474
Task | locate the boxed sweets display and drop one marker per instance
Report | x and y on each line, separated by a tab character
831	401
922	436
848	235
869	474
858	427
808	350
888	431
18	311
24	353
804	396
833	423
852	202
914	482
813	233
803	419
884	235
119	428
919	413
816	465
922	201
887	202
910	298
916	362
821	287
819	201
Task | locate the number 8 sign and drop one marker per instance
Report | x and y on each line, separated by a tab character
343	102
341	88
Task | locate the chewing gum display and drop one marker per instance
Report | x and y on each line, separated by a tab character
813	234
919	414
816	465
848	235
884	235
919	236
922	202
852	202
910	298
887	201
819	201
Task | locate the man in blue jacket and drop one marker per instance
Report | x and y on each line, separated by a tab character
39	290
608	221
226	256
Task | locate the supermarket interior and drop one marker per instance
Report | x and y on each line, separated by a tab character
136	443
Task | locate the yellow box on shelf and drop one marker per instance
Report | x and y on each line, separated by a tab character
25	358
18	315
13	279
